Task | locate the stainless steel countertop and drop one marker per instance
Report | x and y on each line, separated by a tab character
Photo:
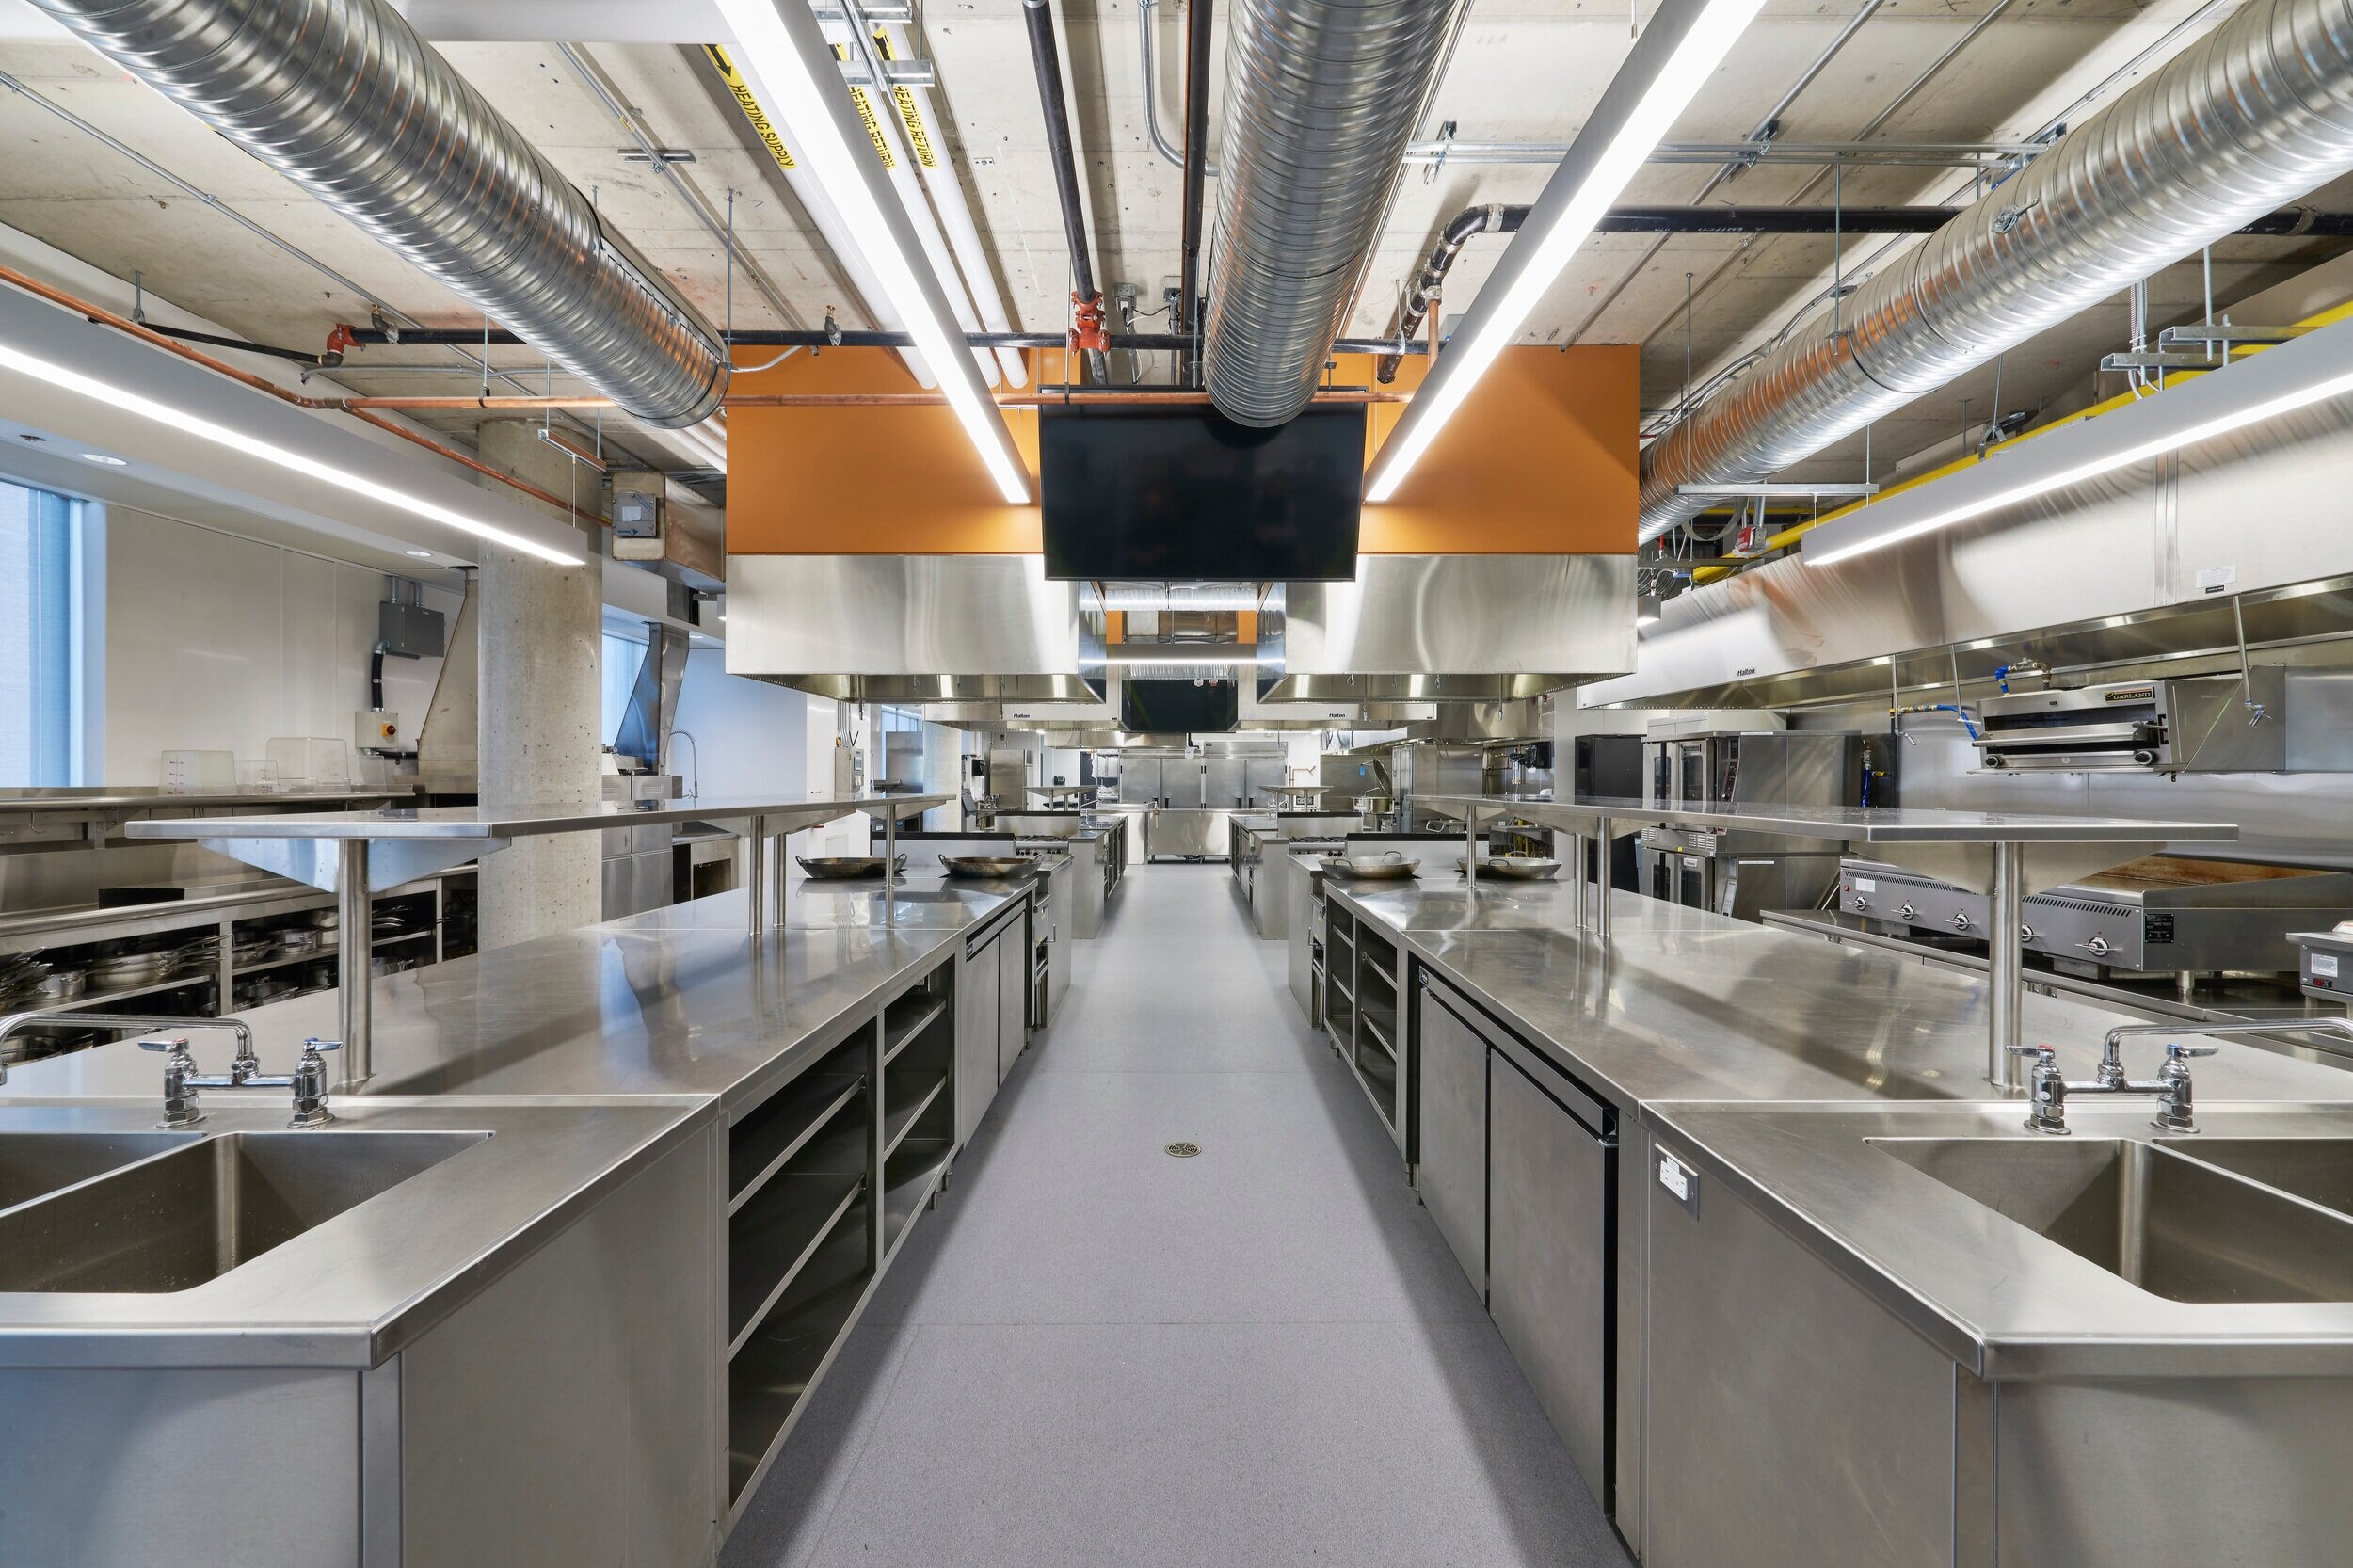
353	1290
1767	1057
682	1001
1997	1297
1680	1004
1866	824
517	821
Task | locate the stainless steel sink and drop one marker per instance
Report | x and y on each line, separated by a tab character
194	1214
34	1164
2173	1225
2319	1170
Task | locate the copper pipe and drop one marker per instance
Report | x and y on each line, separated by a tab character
356	408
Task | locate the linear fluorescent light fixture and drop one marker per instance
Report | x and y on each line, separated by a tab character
183	421
1684	44
2262	387
783	50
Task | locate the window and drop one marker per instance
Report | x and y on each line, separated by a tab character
41	693
623	657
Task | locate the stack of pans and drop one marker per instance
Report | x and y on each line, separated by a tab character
126	972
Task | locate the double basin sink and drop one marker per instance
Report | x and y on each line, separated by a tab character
2190	1218
154	1212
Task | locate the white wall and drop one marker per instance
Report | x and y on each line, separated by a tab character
219	643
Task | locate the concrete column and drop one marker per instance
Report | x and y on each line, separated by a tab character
542	701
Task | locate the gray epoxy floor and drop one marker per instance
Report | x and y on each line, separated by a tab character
1093	1353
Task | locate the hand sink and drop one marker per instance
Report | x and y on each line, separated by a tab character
2174	1225
191	1215
35	1164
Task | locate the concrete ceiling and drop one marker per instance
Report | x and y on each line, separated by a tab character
1525	71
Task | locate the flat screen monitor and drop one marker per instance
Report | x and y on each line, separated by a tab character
1164	494
1179	706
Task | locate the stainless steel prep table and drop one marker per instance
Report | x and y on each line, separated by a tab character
788	1032
1681	1006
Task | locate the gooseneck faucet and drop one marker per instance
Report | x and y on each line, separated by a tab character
2048	1090
138	1023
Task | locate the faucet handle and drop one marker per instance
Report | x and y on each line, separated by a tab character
310	1084
2046	1090
175	1047
2175	1051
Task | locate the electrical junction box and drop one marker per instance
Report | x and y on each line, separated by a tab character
378	729
410	630
638	515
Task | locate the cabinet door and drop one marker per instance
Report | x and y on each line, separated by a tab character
1012	997
976	1037
1547	1259
1453	1170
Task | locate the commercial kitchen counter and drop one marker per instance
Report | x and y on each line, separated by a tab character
1682	1004
828	1072
491	1183
675	1000
1746	1210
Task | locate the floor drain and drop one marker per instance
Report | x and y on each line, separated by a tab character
1184	1151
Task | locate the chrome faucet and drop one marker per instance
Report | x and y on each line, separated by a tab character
182	1082
246	1063
2048	1089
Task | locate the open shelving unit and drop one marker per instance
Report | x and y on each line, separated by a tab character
826	1176
1362	1011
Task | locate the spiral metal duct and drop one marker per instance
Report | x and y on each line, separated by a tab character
1322	97
2256	114
342	97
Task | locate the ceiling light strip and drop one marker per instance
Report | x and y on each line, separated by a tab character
2250	392
781	48
183	423
1679	49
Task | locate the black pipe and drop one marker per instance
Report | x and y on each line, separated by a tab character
1140	343
2290	222
1197	40
1046	58
242	345
1492	219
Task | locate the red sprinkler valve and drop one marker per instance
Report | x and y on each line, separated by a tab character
1087	333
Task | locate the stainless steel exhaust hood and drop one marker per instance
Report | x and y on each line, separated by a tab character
913	627
2151	569
1451	629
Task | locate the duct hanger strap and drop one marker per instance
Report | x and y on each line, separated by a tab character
344	99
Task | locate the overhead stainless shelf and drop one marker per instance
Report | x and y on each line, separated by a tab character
354	853
477	822
2004	855
1862	825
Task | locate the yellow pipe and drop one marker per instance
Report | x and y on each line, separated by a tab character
1791	536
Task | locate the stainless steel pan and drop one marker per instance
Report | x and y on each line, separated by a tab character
1392	867
1517	868
845	868
984	865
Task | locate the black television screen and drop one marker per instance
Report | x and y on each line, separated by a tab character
1179	706
1184	492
